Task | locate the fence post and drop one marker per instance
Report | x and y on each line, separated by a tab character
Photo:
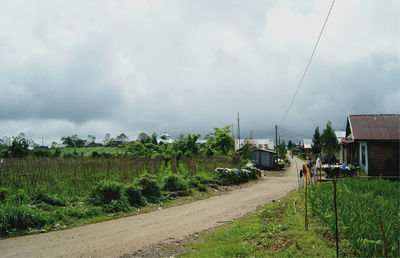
383	236
305	204
336	217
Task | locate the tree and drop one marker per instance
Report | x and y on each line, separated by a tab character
143	138
316	146
122	138
73	141
282	150
68	141
19	147
246	150
329	143
154	138
290	144
91	138
224	141
107	138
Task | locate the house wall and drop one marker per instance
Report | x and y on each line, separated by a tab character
363	157
351	153
383	158
263	158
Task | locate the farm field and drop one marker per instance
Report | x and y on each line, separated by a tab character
38	193
87	152
360	202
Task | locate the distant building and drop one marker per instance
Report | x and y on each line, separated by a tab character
373	143
263	158
260	144
341	136
306	146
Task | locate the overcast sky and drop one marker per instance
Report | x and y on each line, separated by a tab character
97	67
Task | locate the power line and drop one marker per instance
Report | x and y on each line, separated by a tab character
308	64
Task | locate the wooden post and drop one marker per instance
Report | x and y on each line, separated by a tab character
305	204
383	236
336	217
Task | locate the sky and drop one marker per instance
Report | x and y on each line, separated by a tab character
97	67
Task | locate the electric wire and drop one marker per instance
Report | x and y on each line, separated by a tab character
308	64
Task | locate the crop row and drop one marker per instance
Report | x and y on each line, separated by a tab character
360	203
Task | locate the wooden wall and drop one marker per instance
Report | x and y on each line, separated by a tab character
383	158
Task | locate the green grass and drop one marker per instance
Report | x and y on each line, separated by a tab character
275	230
360	202
87	152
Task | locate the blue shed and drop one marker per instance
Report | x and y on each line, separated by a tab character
263	158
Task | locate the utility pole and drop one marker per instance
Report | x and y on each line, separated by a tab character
42	142
276	141
251	135
238	129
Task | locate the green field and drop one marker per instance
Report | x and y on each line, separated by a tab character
87	152
360	202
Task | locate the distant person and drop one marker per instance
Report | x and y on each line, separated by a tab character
318	165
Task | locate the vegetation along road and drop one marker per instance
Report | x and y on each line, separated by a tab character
128	235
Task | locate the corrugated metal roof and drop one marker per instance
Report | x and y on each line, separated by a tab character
375	127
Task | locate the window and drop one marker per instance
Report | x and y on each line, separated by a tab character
363	157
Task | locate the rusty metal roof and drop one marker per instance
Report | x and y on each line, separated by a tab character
373	127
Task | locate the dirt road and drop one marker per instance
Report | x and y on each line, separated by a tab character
127	235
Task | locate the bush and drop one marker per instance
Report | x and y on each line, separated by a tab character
134	195
117	205
193	182
20	197
19	217
151	189
175	183
56	200
41	153
3	194
105	192
202	188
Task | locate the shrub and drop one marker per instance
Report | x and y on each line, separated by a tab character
134	195
104	192
174	183
3	194
150	187
41	153
19	217
193	182
202	188
56	200
117	205
20	197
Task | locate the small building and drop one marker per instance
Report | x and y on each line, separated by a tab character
306	146
373	143
261	144
341	136
263	158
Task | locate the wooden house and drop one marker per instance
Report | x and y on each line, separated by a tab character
373	143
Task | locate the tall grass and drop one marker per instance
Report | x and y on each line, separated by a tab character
360	202
75	176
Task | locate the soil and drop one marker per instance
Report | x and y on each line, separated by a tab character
153	233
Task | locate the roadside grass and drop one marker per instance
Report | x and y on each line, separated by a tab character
277	229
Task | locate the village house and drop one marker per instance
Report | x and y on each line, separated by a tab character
260	144
373	143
